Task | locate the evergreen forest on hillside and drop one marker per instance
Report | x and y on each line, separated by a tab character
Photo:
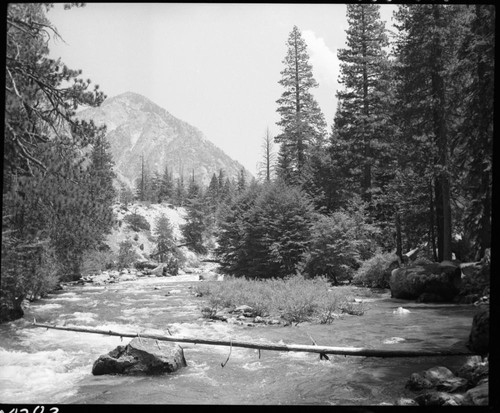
407	163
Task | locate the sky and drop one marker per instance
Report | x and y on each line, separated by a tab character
215	66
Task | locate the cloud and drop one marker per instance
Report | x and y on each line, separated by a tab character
324	62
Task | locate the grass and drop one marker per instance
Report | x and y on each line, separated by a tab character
293	299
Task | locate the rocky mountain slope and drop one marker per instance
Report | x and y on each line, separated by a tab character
138	128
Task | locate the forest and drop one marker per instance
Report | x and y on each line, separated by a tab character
407	163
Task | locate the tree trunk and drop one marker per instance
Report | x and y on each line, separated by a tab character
438	203
367	172
441	136
445	184
399	243
432	234
346	351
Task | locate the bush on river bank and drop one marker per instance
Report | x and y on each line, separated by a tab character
294	299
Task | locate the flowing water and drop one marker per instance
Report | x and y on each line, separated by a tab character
50	366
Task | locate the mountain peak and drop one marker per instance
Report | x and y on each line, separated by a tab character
138	128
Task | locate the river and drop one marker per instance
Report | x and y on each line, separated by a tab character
50	366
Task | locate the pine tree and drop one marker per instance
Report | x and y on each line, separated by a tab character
50	199
180	191
242	181
426	49
212	194
265	231
474	153
267	165
126	195
302	123
167	189
165	242
198	219
359	137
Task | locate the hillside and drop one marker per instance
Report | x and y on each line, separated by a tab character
137	127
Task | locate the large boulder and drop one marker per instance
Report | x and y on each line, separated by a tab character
440	279
474	370
439	398
479	395
145	265
141	357
479	337
438	378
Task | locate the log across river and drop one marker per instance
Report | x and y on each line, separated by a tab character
343	351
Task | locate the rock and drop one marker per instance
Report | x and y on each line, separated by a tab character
209	276
439	378
439	399
480	333
474	370
411	282
145	265
406	402
160	270
401	311
245	310
274	322
478	396
258	319
141	357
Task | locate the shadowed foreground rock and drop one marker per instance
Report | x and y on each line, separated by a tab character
433	282
141	357
479	337
438	386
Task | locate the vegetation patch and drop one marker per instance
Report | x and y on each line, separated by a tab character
293	299
137	222
376	271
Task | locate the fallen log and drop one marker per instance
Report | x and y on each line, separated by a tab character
344	351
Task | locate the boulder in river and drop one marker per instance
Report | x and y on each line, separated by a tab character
479	395
439	378
439	398
474	370
441	279
479	337
141	356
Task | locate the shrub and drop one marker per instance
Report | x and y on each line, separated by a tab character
126	255
333	247
294	299
137	222
46	276
95	261
376	271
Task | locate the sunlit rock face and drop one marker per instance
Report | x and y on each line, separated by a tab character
138	127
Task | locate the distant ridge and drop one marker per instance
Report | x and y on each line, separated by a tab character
138	127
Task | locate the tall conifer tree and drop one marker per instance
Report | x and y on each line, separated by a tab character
359	137
302	122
